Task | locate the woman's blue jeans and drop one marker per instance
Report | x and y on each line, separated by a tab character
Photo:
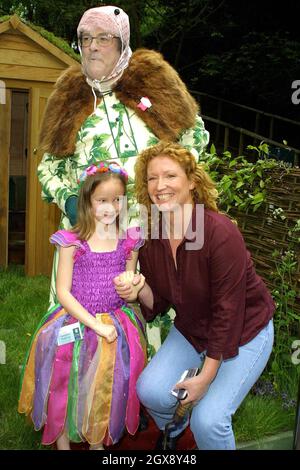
211	417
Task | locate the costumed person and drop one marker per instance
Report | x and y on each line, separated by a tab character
85	390
199	264
112	106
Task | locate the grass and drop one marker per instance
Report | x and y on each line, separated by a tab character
259	417
23	300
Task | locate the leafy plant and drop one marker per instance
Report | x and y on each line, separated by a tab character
241	183
283	372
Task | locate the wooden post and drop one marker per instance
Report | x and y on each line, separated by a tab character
219	119
296	444
226	138
271	129
257	121
256	129
41	218
241	142
5	126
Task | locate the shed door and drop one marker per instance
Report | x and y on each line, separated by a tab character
42	218
5	121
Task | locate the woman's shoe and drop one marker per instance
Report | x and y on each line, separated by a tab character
167	443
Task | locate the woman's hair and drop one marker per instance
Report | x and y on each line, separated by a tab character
205	191
85	225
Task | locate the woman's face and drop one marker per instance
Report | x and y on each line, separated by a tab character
168	184
99	60
106	200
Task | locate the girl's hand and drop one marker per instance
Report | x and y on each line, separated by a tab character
195	387
128	285
109	332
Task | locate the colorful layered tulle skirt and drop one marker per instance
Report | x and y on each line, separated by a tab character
86	387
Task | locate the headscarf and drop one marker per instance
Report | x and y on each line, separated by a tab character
112	20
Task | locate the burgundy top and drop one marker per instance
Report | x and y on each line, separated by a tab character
220	301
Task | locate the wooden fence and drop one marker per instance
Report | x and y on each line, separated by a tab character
234	126
268	229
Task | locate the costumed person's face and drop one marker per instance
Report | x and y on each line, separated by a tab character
168	184
106	201
100	57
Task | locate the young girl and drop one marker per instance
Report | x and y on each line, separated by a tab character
84	390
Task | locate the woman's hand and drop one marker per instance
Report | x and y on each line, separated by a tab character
196	388
128	285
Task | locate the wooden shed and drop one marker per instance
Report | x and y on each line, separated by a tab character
29	67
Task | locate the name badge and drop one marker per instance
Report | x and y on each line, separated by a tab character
69	334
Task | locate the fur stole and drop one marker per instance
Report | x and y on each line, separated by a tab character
148	74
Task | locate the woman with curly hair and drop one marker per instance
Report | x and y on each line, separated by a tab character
195	260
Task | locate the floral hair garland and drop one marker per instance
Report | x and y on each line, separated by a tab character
103	167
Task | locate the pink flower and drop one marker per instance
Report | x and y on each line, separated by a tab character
91	170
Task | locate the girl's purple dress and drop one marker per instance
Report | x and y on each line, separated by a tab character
87	386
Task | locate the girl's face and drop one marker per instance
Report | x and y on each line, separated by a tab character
168	184
106	201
